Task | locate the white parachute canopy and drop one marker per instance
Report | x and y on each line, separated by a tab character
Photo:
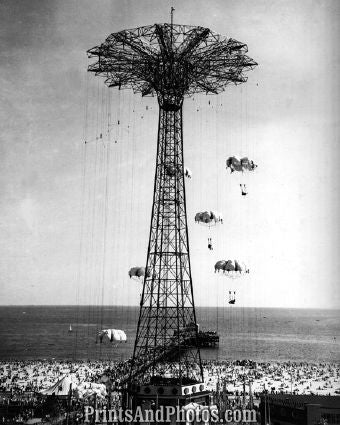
113	335
243	164
231	268
138	272
209	217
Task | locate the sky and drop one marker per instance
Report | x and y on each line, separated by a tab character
75	217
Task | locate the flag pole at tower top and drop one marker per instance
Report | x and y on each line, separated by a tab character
172	23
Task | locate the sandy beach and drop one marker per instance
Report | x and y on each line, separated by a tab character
297	378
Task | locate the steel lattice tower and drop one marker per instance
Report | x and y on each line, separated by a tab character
171	62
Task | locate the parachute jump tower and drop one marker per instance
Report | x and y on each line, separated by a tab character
171	62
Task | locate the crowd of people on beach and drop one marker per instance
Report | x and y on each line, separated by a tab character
273	377
35	376
31	377
24	384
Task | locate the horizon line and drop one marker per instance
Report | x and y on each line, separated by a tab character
137	306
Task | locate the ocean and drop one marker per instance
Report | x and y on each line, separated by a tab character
260	334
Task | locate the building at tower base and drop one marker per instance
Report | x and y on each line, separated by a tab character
158	397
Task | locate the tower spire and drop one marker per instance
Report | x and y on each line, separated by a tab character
172	15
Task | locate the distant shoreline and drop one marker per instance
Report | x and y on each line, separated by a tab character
137	306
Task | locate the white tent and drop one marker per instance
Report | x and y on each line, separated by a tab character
62	387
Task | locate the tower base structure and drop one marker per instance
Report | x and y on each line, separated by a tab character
168	402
